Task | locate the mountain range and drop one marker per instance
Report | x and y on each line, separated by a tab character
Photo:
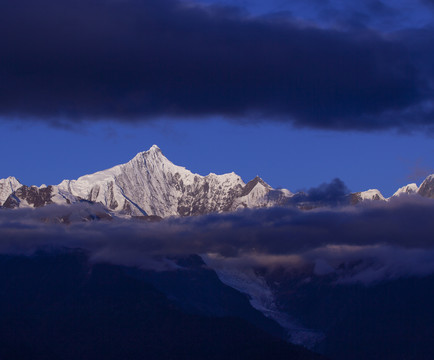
151	185
279	283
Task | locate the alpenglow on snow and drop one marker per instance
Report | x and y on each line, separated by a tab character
149	184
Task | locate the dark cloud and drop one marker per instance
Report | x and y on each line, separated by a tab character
363	14
135	60
334	193
374	241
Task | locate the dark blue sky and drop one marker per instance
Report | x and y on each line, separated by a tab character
284	157
298	92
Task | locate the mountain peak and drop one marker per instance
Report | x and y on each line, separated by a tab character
426	189
154	148
154	152
368	195
252	184
407	189
7	187
150	184
10	180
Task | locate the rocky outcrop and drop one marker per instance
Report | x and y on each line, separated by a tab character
29	196
32	196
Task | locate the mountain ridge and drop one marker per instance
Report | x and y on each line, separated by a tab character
151	185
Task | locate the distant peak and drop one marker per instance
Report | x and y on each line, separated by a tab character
259	180
407	189
371	194
11	179
252	183
429	178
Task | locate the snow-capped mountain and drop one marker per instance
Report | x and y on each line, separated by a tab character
368	195
150	184
426	190
407	189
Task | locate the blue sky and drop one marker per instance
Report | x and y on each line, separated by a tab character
355	76
283	156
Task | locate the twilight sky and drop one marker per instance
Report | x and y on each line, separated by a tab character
299	92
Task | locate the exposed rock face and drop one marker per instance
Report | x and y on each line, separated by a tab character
33	196
29	196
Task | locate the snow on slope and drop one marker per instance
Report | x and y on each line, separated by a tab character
407	189
150	184
257	193
261	296
7	187
372	194
368	195
254	194
427	187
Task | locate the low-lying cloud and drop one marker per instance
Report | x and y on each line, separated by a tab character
363	243
334	193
